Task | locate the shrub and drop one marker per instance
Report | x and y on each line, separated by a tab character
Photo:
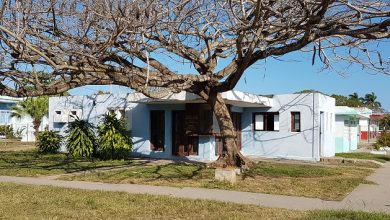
114	139
7	131
81	140
383	140
48	142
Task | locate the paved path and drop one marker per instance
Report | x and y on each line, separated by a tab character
364	198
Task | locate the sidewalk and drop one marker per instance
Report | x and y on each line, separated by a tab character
363	198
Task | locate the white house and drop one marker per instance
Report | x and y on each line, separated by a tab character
294	126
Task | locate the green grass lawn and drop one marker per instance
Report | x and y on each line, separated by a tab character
31	163
44	202
367	156
325	182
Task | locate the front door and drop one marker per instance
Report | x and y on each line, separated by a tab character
236	119
178	134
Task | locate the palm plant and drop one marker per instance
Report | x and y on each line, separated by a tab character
48	142
371	102
354	100
36	108
81	139
114	139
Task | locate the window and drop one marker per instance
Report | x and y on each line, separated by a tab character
267	121
157	130
295	121
5	117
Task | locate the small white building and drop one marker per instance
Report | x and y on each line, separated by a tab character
23	125
347	128
293	126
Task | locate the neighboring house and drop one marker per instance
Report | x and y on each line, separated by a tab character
364	123
374	125
347	128
294	126
24	124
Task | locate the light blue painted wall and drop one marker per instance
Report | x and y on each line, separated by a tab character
284	143
302	145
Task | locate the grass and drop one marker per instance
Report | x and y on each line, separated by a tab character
367	156
44	202
15	145
32	163
345	215
325	182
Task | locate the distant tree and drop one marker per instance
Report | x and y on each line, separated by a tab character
36	108
385	122
340	100
100	92
354	100
370	102
308	91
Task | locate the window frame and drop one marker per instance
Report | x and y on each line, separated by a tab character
293	118
266	116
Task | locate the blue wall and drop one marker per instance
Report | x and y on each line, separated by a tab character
141	133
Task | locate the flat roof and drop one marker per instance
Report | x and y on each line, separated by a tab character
236	98
345	110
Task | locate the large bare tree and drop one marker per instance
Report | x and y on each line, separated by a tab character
129	42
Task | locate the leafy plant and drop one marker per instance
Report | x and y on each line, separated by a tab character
383	140
81	139
48	142
385	122
7	131
114	139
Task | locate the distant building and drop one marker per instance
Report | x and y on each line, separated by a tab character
347	135
22	125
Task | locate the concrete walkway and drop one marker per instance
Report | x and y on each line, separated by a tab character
364	198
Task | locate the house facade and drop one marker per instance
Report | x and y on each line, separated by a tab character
293	126
349	123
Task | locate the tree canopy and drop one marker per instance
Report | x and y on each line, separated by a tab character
83	42
132	43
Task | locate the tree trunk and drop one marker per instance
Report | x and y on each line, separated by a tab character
36	125
233	156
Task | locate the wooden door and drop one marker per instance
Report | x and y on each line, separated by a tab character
178	134
236	119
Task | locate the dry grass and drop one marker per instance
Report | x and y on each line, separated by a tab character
325	182
366	156
16	145
42	202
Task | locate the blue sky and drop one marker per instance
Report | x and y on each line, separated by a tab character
296	73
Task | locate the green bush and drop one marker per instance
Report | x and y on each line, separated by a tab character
7	131
48	141
114	140
383	140
81	140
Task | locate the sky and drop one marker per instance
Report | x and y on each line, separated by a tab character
296	73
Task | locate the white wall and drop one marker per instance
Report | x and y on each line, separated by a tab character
91	108
326	105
